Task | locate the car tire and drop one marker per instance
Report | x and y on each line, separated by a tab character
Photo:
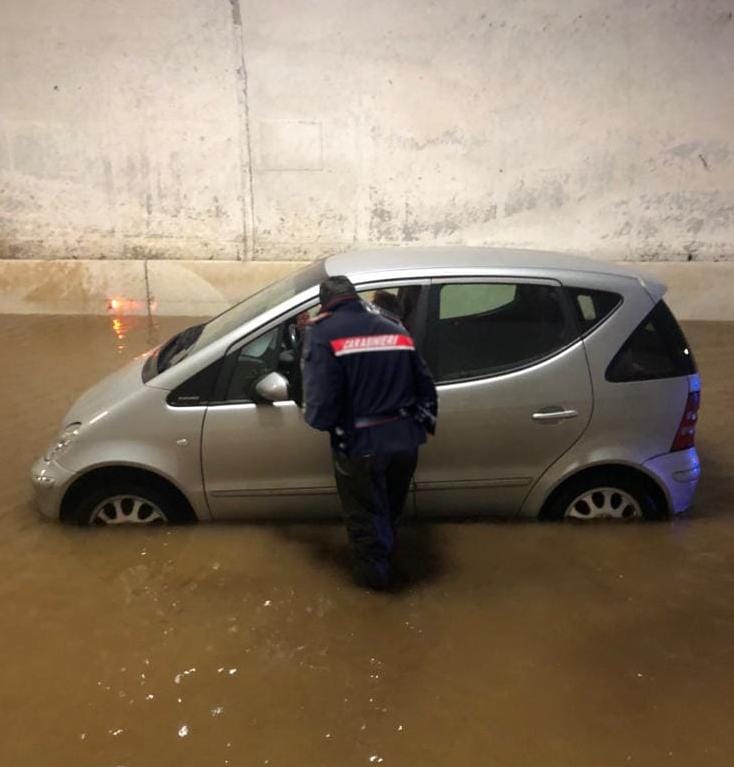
604	494
126	503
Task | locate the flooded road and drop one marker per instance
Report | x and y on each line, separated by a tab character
510	643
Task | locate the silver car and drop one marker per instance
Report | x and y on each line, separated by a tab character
566	389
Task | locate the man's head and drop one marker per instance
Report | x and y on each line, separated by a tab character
387	302
337	288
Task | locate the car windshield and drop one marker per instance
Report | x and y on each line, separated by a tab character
176	348
256	304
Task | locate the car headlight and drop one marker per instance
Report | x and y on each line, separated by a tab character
67	435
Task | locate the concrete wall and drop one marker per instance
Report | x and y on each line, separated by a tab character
236	130
119	130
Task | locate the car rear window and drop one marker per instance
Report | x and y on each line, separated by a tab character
591	307
657	348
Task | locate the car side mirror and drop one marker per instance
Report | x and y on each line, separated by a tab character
272	388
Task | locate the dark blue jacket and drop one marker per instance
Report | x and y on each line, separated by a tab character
364	382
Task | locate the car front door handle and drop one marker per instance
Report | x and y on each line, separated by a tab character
554	415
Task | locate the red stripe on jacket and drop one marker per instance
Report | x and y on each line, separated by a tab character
384	343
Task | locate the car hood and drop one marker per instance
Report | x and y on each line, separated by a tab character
110	392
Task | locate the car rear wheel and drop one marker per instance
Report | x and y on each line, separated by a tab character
603	503
126	504
604	495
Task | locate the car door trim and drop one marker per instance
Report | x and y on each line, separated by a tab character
496	279
472	483
274	491
464	382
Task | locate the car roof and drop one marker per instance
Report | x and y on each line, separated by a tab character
359	262
386	262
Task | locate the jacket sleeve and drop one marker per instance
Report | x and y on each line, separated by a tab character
323	384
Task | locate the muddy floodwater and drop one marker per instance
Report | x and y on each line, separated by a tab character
509	644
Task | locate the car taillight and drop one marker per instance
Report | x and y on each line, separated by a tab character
686	435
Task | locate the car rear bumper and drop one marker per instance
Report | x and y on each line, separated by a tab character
679	473
49	485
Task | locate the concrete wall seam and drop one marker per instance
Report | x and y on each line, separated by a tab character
245	144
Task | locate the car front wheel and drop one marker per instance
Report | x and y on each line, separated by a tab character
125	504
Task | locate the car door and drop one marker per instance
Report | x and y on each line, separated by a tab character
514	392
261	459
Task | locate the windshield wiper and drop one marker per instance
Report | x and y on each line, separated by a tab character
173	351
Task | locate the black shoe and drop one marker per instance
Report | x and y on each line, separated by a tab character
372	576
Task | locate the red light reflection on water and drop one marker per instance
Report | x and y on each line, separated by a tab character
126	314
120	326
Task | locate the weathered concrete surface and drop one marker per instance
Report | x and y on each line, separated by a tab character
119	130
703	291
573	125
207	129
200	288
183	288
72	287
697	291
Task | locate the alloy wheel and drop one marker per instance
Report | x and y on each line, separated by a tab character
126	510
604	503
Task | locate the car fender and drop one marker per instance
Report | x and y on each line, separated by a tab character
575	462
180	465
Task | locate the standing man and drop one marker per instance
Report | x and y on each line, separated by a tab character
367	386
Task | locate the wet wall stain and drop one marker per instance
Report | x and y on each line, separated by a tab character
418	220
63	195
236	12
451	138
382	225
550	193
714	208
74	200
714	152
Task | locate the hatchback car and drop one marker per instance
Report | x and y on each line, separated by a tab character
566	389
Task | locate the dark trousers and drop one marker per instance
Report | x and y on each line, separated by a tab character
373	490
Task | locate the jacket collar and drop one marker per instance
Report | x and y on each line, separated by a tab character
341	301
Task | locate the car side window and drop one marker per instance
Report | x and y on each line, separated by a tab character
276	350
592	307
484	329
399	303
474	298
251	362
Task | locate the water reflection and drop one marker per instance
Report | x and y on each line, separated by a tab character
131	316
118	327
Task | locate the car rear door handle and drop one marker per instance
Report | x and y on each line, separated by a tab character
554	415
